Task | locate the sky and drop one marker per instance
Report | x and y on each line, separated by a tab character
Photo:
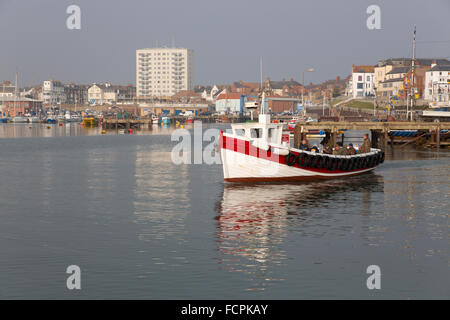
228	37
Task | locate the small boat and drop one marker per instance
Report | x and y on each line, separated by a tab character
165	120
19	119
76	118
155	120
255	152
33	119
3	120
91	121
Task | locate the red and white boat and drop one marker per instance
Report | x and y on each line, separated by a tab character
255	152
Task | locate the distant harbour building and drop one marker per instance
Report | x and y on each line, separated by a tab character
390	76
362	81
229	102
106	93
19	106
162	72
76	94
53	92
437	85
6	90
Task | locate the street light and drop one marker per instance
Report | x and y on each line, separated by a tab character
303	88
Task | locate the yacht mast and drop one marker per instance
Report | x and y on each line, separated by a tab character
413	65
15	96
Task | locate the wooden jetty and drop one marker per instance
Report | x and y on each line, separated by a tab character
146	122
379	130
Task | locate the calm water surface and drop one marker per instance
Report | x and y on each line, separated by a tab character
141	227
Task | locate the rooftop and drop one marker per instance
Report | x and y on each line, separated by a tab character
441	68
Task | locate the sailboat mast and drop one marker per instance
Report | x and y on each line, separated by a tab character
15	95
413	66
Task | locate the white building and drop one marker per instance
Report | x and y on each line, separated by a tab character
437	85
212	95
164	71
53	92
102	94
362	81
7	90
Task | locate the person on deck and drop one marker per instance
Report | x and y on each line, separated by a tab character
304	145
366	146
327	149
350	149
338	151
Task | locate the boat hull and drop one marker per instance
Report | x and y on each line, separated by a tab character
242	163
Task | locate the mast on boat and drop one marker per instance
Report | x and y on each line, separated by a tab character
15	96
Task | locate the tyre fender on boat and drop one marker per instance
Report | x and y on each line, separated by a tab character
320	162
309	160
358	163
382	157
314	160
332	164
351	164
326	162
291	159
341	164
347	162
301	160
374	160
364	162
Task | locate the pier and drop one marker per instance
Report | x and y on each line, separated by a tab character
146	123
379	131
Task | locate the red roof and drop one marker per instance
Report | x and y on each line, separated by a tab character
363	69
223	96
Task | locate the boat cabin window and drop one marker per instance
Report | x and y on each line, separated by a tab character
239	132
256	133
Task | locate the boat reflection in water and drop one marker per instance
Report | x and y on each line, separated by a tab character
255	220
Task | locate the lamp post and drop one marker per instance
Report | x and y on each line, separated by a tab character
303	88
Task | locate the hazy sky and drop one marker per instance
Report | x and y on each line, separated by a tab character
228	37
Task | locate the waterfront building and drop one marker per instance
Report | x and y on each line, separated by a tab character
19	106
76	94
437	85
53	92
229	102
384	67
106	93
6	90
162	72
362	81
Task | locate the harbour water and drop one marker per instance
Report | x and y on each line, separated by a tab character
140	226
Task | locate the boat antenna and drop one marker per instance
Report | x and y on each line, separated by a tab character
261	71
